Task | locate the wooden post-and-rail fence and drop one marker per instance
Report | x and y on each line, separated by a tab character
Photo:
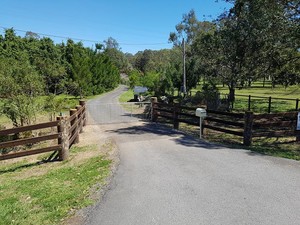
66	133
246	125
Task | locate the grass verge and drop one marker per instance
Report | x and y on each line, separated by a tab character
278	147
47	193
126	96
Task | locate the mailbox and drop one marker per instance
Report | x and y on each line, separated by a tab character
201	112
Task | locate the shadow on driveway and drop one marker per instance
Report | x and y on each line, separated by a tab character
163	130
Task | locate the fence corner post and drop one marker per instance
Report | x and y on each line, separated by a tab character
248	128
63	140
83	104
153	107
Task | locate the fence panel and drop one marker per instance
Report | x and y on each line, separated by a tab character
64	141
246	125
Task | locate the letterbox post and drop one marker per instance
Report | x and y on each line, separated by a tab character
201	113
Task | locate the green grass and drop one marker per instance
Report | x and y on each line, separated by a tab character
50	197
126	96
277	92
259	105
278	147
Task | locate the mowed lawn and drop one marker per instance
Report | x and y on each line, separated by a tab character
261	105
48	193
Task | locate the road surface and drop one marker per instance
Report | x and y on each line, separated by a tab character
166	177
106	109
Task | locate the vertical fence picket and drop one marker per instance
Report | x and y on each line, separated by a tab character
82	103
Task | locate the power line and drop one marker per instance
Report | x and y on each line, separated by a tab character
83	40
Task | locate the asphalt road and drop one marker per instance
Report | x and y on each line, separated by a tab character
168	178
106	109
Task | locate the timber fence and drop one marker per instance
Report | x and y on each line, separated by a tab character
246	125
63	133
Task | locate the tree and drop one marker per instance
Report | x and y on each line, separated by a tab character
188	30
22	86
111	43
82	75
134	78
254	39
118	59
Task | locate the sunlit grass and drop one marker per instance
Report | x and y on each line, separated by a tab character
48	197
126	96
261	105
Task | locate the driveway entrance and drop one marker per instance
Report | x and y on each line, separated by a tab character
106	113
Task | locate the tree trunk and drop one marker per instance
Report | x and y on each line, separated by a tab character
231	96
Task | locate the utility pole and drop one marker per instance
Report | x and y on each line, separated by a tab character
184	72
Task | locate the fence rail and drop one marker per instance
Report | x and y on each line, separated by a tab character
66	134
246	125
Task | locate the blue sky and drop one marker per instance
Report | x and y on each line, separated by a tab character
135	24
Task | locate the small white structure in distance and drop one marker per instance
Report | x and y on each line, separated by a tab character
140	89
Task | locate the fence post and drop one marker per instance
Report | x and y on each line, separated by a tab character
75	131
297	131
204	131
175	116
297	104
82	103
153	107
248	128
249	102
298	136
62	128
79	116
270	102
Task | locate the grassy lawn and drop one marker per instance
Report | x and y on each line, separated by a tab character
126	96
278	147
260	105
277	92
33	193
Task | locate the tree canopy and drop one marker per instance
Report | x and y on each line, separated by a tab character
31	66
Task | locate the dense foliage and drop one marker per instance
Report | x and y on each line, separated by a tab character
254	40
31	66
